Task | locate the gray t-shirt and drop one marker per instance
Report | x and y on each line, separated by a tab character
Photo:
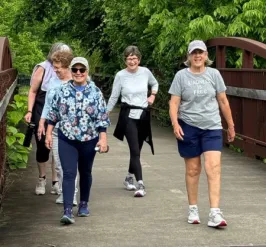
199	106
133	88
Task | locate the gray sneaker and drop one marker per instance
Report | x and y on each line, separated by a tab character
141	191
129	183
40	186
55	189
60	200
193	215
216	219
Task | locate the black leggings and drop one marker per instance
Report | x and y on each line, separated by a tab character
42	152
135	144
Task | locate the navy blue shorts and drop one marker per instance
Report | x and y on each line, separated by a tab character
197	141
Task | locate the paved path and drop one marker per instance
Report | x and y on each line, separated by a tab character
159	219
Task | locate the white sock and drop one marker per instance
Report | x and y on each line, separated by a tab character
140	182
193	206
130	175
215	210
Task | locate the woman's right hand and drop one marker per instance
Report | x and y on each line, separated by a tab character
28	117
41	131
49	141
178	131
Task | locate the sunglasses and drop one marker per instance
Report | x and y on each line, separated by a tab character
81	70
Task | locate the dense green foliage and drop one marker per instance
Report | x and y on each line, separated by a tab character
161	28
17	154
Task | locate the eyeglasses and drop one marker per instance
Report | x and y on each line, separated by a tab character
132	59
81	70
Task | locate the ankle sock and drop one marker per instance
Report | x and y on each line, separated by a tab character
140	182
193	206
44	177
215	210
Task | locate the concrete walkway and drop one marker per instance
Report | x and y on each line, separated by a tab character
159	219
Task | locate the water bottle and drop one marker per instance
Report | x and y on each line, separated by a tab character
28	135
97	149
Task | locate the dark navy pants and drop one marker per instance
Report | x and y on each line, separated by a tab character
75	154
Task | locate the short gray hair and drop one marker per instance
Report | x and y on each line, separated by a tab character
132	50
208	62
59	46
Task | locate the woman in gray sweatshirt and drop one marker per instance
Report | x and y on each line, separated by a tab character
132	85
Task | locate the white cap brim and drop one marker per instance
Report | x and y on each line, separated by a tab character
197	47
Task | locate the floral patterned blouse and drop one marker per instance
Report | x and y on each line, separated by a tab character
81	114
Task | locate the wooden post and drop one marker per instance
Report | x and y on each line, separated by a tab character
247	62
220	57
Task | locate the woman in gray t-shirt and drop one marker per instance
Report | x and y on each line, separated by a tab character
197	93
134	118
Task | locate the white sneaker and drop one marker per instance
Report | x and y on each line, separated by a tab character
129	183
193	215
40	186
60	199
55	189
141	191
216	219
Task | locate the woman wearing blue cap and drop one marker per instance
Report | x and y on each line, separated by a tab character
80	111
197	93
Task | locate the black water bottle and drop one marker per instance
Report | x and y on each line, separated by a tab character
28	135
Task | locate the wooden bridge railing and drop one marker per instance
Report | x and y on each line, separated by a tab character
246	90
8	81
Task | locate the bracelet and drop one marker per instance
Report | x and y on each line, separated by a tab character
154	94
29	111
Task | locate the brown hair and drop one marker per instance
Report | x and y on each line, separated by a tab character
131	51
63	57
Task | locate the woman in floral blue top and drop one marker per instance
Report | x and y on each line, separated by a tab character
80	111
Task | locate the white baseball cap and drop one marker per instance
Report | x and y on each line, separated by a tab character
80	60
196	44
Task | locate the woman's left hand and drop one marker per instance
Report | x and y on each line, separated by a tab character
102	144
151	99
231	134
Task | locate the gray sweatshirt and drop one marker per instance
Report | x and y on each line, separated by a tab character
133	88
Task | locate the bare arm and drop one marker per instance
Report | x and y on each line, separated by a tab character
226	111
49	139
173	111
35	84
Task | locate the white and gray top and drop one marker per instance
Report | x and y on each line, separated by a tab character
199	106
133	88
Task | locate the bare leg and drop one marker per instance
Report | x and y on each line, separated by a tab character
42	168
193	170
213	171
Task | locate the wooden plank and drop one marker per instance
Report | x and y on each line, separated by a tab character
5	101
246	93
